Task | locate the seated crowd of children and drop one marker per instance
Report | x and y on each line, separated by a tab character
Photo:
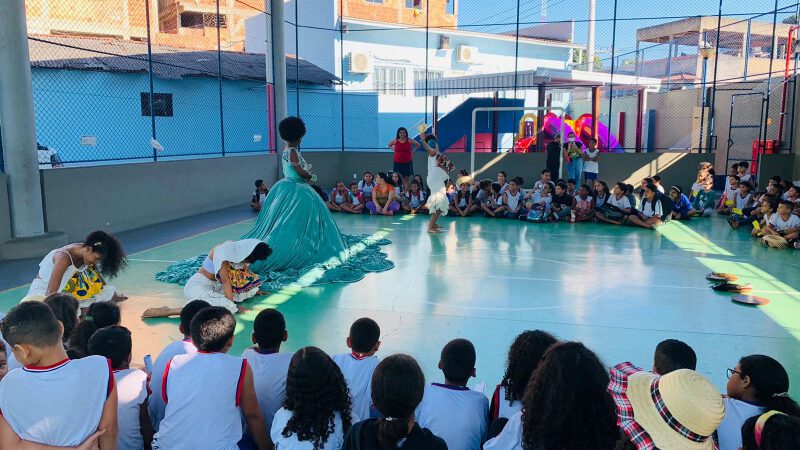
71	384
773	214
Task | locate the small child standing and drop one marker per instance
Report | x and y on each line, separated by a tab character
356	199
214	418
451	410
268	364
65	401
358	365
135	428
590	165
185	346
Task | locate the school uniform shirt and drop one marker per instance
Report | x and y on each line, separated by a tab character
259	197
477	197
500	407
622	203
269	378
503	188
591	166
365	436
59	405
202	392
366	188
131	394
510	438
155	404
357	372
538	186
650	209
334	442
745	177
682	205
730	194
660	188
456	414
356	199
779	224
729	433
742	202
415	200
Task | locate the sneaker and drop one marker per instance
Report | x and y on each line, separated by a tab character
572	217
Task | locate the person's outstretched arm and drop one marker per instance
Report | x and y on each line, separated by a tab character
252	413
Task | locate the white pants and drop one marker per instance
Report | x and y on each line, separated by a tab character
201	288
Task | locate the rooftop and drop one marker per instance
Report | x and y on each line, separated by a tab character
115	55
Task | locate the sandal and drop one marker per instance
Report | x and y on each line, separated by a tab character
733	287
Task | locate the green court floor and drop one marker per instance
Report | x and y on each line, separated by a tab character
619	290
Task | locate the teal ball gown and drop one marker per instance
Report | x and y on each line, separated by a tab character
307	246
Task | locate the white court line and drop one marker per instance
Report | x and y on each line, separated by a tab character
152	260
493	308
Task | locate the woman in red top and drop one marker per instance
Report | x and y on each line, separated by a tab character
403	146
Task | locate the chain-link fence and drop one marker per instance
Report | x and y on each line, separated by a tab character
144	80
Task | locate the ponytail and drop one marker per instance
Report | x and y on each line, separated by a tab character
390	431
397	388
770	383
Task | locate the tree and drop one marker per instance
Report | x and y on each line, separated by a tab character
791	20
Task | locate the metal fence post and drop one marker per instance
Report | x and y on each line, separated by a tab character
219	82
516	71
297	55
150	76
341	62
611	81
712	103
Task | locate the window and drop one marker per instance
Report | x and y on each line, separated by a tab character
416	4
390	80
162	104
202	20
419	75
451	7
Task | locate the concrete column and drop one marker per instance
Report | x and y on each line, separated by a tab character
18	125
590	38
278	55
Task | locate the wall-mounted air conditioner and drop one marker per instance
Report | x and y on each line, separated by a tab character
360	63
467	54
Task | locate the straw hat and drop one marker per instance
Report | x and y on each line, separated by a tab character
680	410
463	179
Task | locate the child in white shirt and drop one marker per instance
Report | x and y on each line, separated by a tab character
451	410
268	364
135	429
358	365
155	404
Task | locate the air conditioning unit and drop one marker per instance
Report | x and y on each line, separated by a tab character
467	54
360	63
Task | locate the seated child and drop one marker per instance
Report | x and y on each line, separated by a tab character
54	400
358	365
539	185
99	315
397	181
269	365
680	203
213	419
414	199
768	207
657	182
135	428
629	192
462	200
514	200
339	200
367	184
702	174
501	179
356	199
744	171
316	413
523	357
480	194
561	205
582	206
652	212
672	355
184	346
538	205
783	222
778	428
493	205
742	199
259	195
704	199
756	385
616	207
729	197
425	189
451	410
66	309
398	386
572	188
600	194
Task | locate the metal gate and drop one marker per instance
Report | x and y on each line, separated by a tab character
747	120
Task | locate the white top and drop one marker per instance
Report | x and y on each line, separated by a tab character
260	195
338	198
39	284
131	393
730	194
334	442
503	188
737	412
513	200
415	200
779	224
62	404
591	166
741	202
457	415
510	438
505	409
622	203
538	186
269	378
366	188
660	188
156	405
745	177
648	211
358	374
202	392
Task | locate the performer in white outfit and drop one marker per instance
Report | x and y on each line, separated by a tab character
438	169
74	270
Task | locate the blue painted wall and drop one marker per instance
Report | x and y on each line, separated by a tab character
70	104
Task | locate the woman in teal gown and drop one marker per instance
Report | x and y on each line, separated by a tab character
307	247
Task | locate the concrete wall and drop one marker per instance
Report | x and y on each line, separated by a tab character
771	165
675	168
5	213
125	197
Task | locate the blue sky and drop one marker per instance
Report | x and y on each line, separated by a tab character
504	11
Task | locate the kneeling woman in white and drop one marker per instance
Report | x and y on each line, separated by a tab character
74	270
316	412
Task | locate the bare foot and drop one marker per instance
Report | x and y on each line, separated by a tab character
241	309
118	298
151	313
434	230
260	292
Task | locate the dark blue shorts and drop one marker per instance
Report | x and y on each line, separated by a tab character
404	169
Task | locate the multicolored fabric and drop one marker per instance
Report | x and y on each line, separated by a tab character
85	284
617	387
443	163
242	280
669	419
